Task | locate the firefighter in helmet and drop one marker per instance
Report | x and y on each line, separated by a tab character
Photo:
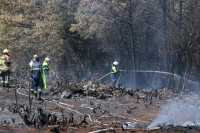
45	76
114	73
36	76
30	64
5	63
45	67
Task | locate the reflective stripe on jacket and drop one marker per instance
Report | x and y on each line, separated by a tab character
114	69
36	70
5	63
45	65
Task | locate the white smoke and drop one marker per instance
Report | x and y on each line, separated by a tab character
183	113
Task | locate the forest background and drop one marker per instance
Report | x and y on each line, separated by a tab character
83	37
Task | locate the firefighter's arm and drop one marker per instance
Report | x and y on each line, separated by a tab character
114	70
9	62
31	75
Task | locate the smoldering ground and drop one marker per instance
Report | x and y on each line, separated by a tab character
184	112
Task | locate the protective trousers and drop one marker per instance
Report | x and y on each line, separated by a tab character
114	77
5	79
36	86
46	71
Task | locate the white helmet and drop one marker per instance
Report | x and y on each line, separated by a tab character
47	59
34	56
115	63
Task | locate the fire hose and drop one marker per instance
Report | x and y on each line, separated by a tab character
54	74
104	76
109	74
60	104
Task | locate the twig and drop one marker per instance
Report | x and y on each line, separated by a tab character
16	97
29	98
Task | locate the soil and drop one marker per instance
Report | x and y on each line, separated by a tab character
83	113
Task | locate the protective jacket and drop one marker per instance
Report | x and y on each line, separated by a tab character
5	63
45	67
114	69
36	70
36	76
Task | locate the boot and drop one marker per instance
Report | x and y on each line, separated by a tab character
7	85
40	96
3	85
35	95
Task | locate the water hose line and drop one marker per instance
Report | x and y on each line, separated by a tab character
104	76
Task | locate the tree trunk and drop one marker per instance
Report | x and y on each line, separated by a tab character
165	48
132	39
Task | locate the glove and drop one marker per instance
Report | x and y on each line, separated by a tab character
8	63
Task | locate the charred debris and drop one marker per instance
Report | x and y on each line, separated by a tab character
100	116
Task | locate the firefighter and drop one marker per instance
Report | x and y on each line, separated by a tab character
30	64
45	76
114	73
5	63
36	76
45	67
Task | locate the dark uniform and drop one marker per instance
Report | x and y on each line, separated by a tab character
36	76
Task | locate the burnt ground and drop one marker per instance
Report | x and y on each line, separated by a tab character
84	107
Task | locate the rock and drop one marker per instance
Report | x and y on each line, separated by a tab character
87	86
90	91
66	94
4	125
130	125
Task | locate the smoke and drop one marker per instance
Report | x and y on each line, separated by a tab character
182	113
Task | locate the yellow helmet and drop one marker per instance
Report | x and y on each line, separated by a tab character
47	59
5	51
